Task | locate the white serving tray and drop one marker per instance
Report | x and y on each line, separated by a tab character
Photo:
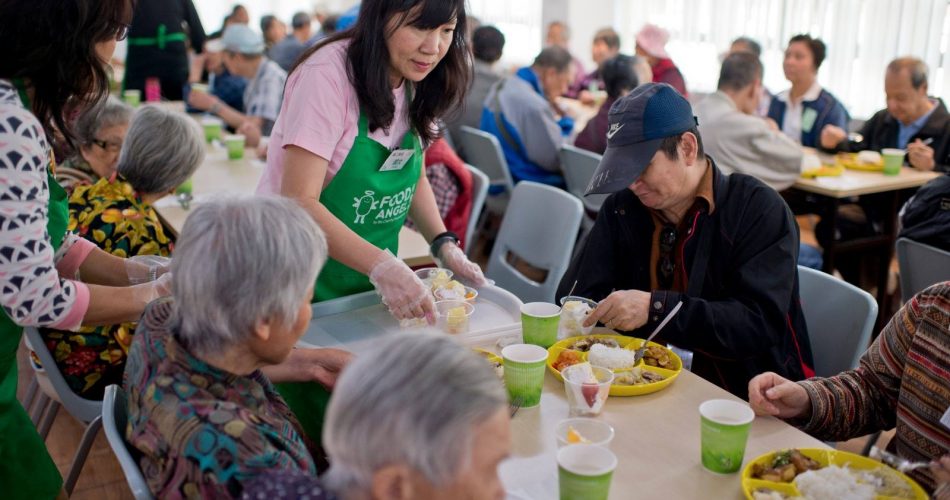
354	322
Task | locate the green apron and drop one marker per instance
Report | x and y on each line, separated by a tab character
374	204
161	38
26	469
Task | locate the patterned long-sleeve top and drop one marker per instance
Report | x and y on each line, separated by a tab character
203	432
903	380
32	293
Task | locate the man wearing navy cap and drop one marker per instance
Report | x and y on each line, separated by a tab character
676	230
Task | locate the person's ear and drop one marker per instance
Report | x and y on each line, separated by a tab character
262	329
689	147
392	482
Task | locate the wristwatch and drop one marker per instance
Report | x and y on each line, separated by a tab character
440	240
215	107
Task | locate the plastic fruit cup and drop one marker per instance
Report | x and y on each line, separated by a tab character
585	430
586	399
453	322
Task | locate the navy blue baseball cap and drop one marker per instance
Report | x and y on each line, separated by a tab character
639	122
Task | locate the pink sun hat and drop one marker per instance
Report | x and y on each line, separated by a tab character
652	39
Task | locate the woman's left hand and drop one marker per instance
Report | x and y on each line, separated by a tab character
144	268
310	365
452	257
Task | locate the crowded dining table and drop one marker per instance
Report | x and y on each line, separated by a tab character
657	436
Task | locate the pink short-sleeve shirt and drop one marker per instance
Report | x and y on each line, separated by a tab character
320	113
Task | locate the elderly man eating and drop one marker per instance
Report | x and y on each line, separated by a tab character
676	230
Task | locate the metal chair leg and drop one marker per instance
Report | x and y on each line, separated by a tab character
39	407
30	394
47	423
82	452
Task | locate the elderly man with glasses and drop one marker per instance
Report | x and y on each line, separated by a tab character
677	230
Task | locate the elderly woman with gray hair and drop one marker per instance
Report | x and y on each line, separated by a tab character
202	410
420	417
100	131
115	214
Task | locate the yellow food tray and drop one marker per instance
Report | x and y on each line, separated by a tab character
824	457
669	375
823	171
850	162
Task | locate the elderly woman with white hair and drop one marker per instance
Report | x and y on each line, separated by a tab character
420	417
115	213
202	410
100	131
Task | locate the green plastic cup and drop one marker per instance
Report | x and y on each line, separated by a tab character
584	472
539	323
185	187
235	144
524	373
723	433
212	127
893	160
132	97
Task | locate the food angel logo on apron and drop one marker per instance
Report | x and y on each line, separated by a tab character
364	205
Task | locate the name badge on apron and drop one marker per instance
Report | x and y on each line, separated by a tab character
397	160
945	419
808	119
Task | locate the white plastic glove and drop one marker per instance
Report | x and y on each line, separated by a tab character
147	292
402	291
145	268
452	257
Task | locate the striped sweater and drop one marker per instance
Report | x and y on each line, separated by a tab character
903	381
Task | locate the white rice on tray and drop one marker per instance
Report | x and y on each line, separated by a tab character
833	482
612	358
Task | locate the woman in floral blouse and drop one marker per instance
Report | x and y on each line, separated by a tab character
117	216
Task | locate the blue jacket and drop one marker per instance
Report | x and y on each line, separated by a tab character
532	135
830	112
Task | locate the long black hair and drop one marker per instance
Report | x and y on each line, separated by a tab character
437	95
51	45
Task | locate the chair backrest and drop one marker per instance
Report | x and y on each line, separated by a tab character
840	319
115	416
84	410
579	166
479	192
920	266
483	151
540	227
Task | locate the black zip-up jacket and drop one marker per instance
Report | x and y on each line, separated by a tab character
881	132
741	313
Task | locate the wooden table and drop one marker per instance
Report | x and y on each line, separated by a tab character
656	443
218	176
829	193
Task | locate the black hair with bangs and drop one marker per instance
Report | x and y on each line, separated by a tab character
368	68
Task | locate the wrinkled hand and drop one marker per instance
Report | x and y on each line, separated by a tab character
452	257
941	471
920	155
310	365
770	394
147	292
201	100
144	268
402	291
623	310
831	136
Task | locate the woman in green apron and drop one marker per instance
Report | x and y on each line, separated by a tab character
55	60
358	110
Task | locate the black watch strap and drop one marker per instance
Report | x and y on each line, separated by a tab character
440	239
